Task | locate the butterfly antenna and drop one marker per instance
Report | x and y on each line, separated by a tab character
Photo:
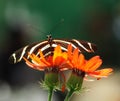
36	28
60	22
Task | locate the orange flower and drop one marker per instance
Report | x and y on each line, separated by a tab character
58	60
79	63
52	65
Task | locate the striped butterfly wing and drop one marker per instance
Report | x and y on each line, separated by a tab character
84	46
47	48
23	52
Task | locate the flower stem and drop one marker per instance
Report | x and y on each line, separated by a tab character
50	93
69	94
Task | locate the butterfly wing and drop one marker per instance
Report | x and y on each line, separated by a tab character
23	52
48	47
84	46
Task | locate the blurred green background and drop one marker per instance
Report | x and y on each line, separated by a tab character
26	21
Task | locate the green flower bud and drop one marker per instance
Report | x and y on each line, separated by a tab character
51	79
75	81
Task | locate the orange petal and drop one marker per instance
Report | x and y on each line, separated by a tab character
66	65
43	59
57	52
81	61
101	73
50	59
91	63
59	61
70	51
95	66
34	66
64	55
59	57
75	57
34	58
29	63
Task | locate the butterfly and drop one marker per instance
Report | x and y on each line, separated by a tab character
47	48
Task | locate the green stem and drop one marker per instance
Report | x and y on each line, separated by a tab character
50	93
69	94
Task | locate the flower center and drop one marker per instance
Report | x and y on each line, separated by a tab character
78	72
52	69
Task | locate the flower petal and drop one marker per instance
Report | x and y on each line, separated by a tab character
57	52
34	58
58	60
59	57
70	51
81	61
75	58
43	59
101	73
93	64
34	66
